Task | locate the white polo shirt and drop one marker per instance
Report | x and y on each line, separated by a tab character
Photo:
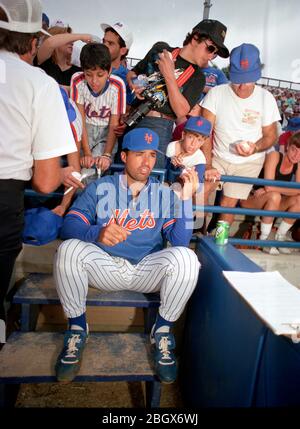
33	120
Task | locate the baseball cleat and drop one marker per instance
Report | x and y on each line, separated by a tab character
164	357
69	360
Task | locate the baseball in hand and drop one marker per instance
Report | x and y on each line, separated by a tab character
245	146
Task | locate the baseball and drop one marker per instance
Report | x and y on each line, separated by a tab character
245	146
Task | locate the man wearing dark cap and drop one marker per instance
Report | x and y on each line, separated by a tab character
204	43
114	234
244	117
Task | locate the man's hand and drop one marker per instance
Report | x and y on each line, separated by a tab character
190	181
69	180
166	64
245	148
113	234
212	175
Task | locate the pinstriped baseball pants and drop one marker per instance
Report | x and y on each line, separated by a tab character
172	271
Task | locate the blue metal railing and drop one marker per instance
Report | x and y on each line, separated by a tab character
255	212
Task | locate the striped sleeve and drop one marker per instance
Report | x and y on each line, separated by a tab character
119	98
77	85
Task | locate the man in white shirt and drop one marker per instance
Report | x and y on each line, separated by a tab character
244	118
34	125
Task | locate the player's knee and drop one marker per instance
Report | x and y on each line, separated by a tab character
67	248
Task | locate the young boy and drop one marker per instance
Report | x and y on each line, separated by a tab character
186	153
101	99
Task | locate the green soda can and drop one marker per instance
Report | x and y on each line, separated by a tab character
222	232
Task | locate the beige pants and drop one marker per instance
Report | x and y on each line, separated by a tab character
247	169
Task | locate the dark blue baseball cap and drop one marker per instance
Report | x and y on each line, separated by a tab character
69	108
199	125
140	139
245	65
41	226
293	124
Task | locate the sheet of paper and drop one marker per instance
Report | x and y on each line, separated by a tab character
272	297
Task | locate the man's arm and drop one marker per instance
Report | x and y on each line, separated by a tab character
178	102
268	139
47	175
207	146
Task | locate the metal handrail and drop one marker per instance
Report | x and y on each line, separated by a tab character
255	212
257	181
250	212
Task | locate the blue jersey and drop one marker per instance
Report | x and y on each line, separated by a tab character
122	73
155	214
213	77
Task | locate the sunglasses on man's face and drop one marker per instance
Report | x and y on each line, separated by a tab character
212	49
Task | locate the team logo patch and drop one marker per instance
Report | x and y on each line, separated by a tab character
199	123
119	24
245	64
148	138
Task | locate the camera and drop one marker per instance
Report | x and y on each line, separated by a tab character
155	95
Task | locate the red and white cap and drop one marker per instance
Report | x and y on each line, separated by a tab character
24	16
122	30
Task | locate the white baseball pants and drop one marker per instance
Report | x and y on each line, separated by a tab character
172	271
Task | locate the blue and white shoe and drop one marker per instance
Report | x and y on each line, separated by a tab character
69	360
164	356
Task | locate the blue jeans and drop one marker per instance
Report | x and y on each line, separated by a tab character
164	128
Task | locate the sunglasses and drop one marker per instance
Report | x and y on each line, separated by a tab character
211	48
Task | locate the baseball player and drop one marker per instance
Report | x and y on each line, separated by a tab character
115	233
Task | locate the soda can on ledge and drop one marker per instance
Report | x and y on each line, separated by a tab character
222	232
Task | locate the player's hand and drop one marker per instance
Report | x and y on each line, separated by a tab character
245	148
87	161
190	181
69	180
113	234
212	175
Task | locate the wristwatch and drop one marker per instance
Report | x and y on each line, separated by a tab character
107	155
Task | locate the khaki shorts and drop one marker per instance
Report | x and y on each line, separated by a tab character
249	169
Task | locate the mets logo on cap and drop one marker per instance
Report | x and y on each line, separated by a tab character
140	139
244	64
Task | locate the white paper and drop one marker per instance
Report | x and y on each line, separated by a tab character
272	297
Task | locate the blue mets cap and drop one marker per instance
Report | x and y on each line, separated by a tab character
141	139
245	65
41	226
199	125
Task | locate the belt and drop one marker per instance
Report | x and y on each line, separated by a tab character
12	185
155	114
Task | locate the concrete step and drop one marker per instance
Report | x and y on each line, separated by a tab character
30	358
